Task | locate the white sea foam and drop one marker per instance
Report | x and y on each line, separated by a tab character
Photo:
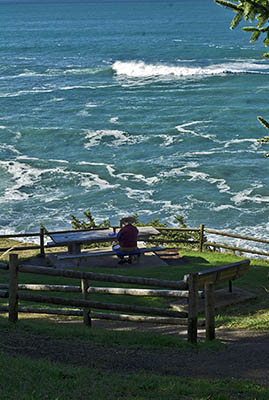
182	128
114	120
240	141
90	105
9	147
187	171
89	180
83	113
76	87
168	140
58	161
111	138
25	92
90	163
126	176
245	195
22	175
139	69
56	99
223	207
139	195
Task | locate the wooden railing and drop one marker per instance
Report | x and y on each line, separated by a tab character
201	243
174	289
188	288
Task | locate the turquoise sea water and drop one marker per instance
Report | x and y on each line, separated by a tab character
131	106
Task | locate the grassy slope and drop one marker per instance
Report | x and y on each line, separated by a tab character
61	382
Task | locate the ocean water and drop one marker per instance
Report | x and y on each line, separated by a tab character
122	107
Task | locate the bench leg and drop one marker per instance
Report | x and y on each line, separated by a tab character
137	259
74	248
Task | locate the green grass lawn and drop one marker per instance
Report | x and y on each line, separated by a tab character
24	379
27	379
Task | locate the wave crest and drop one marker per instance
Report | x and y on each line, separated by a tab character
139	69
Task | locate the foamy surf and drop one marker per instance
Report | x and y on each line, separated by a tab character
140	69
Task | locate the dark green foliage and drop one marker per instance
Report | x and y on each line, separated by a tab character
250	10
263	122
89	223
264	139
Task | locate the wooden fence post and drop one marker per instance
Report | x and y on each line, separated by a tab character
86	311
42	248
13	288
201	239
193	307
210	310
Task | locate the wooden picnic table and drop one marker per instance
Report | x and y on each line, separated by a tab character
75	239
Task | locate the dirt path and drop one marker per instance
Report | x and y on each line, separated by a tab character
245	357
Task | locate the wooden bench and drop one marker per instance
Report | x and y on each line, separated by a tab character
103	253
227	273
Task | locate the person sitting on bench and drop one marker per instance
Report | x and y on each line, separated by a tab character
127	237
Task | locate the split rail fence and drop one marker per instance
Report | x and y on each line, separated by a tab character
201	242
14	293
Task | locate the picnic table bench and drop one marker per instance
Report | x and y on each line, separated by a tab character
75	239
98	253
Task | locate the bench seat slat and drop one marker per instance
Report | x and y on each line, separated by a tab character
104	253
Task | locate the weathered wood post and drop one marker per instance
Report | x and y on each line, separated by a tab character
201	239
42	235
210	310
13	288
193	307
86	311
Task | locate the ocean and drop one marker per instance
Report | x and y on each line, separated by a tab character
123	107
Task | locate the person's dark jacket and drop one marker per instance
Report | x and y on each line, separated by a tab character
127	236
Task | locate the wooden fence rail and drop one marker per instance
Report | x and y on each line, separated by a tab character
85	305
201	242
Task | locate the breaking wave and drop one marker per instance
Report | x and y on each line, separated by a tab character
139	69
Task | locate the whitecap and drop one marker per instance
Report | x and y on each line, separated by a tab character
245	195
139	69
58	161
25	92
223	207
239	141
89	180
9	147
140	195
182	128
89	163
112	137
114	120
56	99
90	105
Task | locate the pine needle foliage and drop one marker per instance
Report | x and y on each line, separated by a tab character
250	10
